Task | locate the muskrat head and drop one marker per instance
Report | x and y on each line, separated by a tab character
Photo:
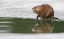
37	9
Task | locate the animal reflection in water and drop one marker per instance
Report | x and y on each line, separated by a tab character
44	27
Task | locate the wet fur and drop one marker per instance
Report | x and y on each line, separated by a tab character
44	11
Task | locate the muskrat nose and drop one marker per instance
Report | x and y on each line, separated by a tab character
32	8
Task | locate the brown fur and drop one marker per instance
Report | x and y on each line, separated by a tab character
45	27
44	11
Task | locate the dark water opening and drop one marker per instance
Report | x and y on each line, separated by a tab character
19	25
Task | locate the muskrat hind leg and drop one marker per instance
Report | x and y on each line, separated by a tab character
52	18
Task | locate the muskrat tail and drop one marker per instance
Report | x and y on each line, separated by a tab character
57	19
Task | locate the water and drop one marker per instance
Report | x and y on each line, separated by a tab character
19	25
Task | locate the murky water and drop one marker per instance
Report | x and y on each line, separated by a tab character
19	25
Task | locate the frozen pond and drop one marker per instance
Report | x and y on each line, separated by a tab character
14	25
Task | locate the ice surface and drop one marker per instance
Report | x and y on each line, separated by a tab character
31	36
23	8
